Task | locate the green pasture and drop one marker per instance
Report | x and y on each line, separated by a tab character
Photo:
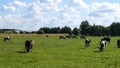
51	52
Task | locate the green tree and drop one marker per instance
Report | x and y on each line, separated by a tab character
84	26
76	31
40	32
55	30
66	29
45	29
98	30
115	29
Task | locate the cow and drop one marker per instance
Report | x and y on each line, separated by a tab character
28	45
47	35
107	39
102	45
6	38
118	43
61	37
87	42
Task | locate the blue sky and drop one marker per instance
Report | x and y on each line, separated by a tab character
34	14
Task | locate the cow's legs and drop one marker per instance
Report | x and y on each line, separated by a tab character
28	50
101	47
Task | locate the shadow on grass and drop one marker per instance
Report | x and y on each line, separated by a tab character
20	52
97	50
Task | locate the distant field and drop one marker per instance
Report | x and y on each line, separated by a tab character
51	52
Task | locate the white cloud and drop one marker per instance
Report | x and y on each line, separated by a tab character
81	3
104	13
18	3
55	1
66	15
102	8
14	6
43	14
36	8
0	17
9	8
55	13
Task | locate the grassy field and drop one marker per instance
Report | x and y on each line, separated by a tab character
50	52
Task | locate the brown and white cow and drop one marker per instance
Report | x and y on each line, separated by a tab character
28	45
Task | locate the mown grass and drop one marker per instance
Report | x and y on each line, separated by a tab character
51	52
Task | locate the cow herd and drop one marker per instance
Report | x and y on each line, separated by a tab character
103	42
28	43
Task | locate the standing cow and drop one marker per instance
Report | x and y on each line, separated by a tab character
28	45
102	45
87	42
118	43
6	38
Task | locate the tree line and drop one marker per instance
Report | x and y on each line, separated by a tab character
85	29
66	30
98	30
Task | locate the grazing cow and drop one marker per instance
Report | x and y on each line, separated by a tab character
87	42
102	45
7	38
82	37
107	39
47	35
61	37
28	45
118	43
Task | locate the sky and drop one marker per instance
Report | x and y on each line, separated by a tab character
34	14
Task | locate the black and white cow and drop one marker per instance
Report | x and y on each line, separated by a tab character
102	45
6	38
118	43
107	39
87	42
